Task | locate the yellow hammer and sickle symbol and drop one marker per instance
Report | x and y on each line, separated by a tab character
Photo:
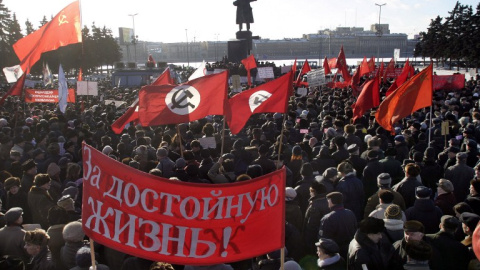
62	19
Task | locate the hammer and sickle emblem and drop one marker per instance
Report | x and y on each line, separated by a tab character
62	19
178	99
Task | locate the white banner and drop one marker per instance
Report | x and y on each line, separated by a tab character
265	73
12	73
87	88
316	77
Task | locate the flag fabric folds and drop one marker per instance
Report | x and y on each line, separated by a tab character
249	63
389	70
62	30
62	90
400	79
368	98
16	89
326	66
269	97
164	78
173	104
411	96
199	72
305	69
342	65
130	115
364	68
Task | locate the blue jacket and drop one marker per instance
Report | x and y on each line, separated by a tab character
353	194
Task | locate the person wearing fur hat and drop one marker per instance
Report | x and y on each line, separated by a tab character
12	234
39	200
303	186
36	245
29	169
16	197
53	171
73	235
328	257
419	253
473	199
67	203
369	248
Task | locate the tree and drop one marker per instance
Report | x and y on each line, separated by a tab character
43	21
5	49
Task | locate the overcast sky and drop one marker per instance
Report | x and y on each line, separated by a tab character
167	21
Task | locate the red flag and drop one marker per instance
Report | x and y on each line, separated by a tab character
411	72
342	66
62	30
364	68
332	62
371	64
380	71
164	78
326	67
130	115
390	69
452	82
411	96
368	98
16	89
400	79
305	69
354	82
269	97
173	104
80	75
249	63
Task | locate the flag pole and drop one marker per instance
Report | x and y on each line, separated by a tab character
179	137
223	137
281	140
282	258
92	255
431	108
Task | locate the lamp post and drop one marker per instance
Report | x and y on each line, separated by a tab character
216	47
134	36
186	35
379	32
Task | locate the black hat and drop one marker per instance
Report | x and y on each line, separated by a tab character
11	182
418	250
330	172
470	219
372	154
413	226
13	214
453	149
371	225
423	192
328	246
37	152
27	165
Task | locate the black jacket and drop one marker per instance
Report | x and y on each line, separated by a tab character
452	254
425	211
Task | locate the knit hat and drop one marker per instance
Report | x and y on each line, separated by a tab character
423	192
41	179
393	211
13	214
384	180
11	182
290	194
73	232
107	150
446	185
413	226
53	169
37	237
371	225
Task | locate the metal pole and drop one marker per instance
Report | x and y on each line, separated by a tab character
186	35
379	31
134	36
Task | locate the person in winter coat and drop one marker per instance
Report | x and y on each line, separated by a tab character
357	162
328	179
16	197
370	173
293	213
424	210
431	172
407	186
386	199
401	147
445	199
452	253
317	209
40	201
73	235
383	182
393	223
328	256
369	248
222	171
12	235
303	186
352	189
460	175
36	246
419	254
340	224
473	199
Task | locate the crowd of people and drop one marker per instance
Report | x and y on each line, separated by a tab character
357	196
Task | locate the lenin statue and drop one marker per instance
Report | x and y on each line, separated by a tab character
244	13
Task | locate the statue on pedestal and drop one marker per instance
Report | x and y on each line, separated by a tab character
244	13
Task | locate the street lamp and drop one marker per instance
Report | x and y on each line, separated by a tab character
134	40
186	35
379	32
216	47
